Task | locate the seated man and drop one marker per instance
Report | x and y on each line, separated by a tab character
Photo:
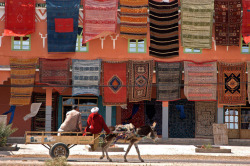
95	124
72	121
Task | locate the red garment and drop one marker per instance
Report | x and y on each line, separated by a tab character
96	123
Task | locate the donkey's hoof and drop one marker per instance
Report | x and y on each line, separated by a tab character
125	160
142	160
110	160
101	157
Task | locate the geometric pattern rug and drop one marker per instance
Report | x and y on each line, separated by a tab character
200	81
22	77
232	83
140	80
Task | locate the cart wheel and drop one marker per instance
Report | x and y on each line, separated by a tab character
59	150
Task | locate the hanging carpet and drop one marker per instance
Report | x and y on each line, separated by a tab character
134	15
168	80
114	83
140	80
197	23
248	80
200	81
86	77
100	18
22	78
232	83
246	21
62	25
19	17
55	73
227	22
164	40
133	114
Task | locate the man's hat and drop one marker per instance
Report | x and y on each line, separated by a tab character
95	109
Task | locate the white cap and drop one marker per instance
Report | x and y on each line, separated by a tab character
95	109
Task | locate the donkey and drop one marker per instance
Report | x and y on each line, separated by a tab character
133	139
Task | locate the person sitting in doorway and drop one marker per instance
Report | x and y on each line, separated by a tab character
72	121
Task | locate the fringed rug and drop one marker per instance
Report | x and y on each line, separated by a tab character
168	80
164	40
114	83
62	25
133	19
86	77
232	83
100	18
200	81
246	21
153	113
196	23
140	80
55	73
227	22
133	114
22	78
19	17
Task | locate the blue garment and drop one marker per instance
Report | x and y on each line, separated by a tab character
12	111
181	109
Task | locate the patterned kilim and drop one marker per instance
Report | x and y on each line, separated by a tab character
114	83
168	80
246	20
138	118
22	76
62	25
248	81
134	19
227	22
100	18
140	80
55	72
200	81
19	17
86	76
164	40
196	23
232	83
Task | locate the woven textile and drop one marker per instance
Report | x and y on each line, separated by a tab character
19	17
134	19
232	83
22	78
114	83
246	21
248	81
200	81
86	76
164	40
140	80
196	23
100	18
227	22
62	25
55	72
137	118
168	80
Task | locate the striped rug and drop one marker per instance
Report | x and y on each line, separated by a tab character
200	81
232	83
168	80
164	40
196	23
22	78
133	19
227	22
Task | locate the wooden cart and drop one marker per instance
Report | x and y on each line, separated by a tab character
59	145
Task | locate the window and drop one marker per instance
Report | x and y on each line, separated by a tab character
192	50
245	118
20	43
137	46
232	118
85	105
244	47
79	46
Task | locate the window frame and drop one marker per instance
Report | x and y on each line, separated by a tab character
145	46
21	44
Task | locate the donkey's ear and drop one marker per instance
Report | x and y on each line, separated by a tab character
154	124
